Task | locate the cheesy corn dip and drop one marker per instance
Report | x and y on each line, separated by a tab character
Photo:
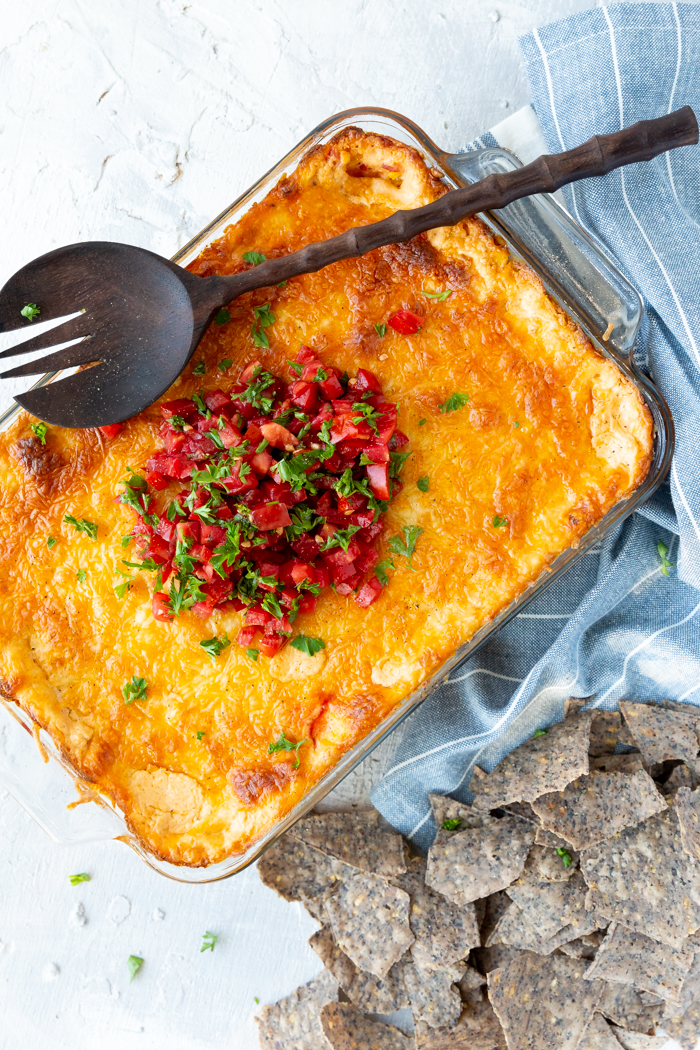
521	437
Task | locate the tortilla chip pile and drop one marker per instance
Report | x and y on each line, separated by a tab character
560	910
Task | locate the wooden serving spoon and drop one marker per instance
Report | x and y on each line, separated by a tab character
143	316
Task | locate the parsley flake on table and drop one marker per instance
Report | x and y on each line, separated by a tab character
39	430
215	646
566	858
199	369
454	402
75	879
440	296
222	317
82	525
31	311
134	690
201	733
662	551
380	329
307	645
253	654
254	258
287	745
51	542
264	318
223	365
134	964
540	732
208	942
406	546
81	574
423	483
451	824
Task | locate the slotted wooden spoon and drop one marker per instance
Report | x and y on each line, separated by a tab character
143	316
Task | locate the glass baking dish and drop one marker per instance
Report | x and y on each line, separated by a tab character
588	287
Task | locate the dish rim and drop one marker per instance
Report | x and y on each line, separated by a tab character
457	170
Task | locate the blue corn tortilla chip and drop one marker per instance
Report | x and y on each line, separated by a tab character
354	838
479	861
294	1023
433	995
632	958
367	992
345	1028
370	922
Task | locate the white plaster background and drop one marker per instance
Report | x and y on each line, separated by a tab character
139	120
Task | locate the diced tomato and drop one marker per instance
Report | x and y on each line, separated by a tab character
229	433
156	480
321	575
378	453
188	530
262	463
280	624
378	475
342	572
157	549
305	354
304	395
301	570
398	440
306	547
217	589
257	616
166	529
224	513
183	406
308	603
330	388
363	518
370	532
368	592
269	644
268	569
405	322
270	516
174	440
367	381
212	534
367	560
278	437
349	504
205	571
200	552
324	503
245	636
288	597
233	483
248	371
111	430
216	399
204	609
160	607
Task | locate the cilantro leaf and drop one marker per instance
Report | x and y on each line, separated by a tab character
540	732
81	574
454	402
177	422
440	296
380	570
307	645
124	541
287	745
566	857
51	542
406	546
397	460
210	939
451	824
499	522
253	654
201	733
341	538
31	311
75	879
380	329
199	369
295	367
39	429
423	483
662	550
226	363
134	963
215	646
222	317
321	375
422	422
81	525
264	318
121	588
134	690
254	258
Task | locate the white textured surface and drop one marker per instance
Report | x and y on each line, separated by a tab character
139	121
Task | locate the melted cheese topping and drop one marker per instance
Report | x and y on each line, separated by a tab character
551	437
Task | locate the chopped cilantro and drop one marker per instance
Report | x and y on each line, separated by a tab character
321	375
380	329
222	317
177	422
423	483
209	939
226	363
287	745
264	318
566	857
201	407
134	690
82	877
254	258
253	654
380	570
662	550
121	589
39	429
440	296
31	311
51	542
215	646
201	733
406	546
307	645
540	732
295	367
397	460
81	574
454	402
451	824
516	424
199	369
367	414
81	525
340	538
134	963
124	541
422	422
499	522
262	446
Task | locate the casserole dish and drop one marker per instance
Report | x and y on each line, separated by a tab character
585	285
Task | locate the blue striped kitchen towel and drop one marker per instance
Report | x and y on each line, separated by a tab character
614	625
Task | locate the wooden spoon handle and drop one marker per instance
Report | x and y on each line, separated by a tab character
598	156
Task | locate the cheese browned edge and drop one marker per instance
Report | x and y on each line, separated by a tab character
552	436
